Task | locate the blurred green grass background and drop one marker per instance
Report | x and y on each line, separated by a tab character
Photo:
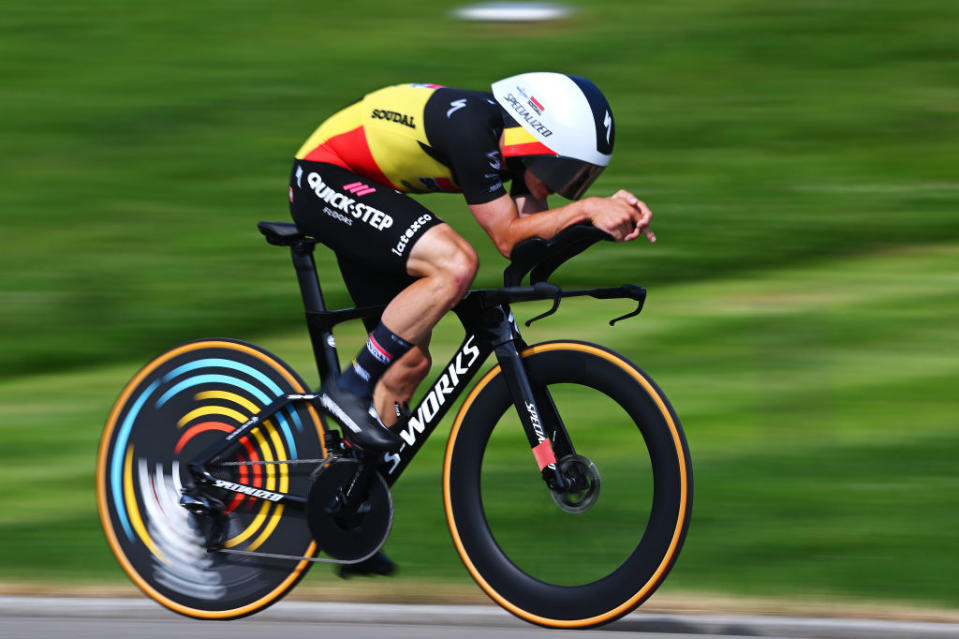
801	159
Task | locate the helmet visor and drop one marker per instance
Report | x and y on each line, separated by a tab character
565	176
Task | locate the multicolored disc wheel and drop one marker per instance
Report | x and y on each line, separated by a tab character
177	406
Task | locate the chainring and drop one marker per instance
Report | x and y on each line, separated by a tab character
355	538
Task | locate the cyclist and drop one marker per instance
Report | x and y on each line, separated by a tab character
542	132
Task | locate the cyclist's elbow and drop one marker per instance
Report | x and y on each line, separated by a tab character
505	241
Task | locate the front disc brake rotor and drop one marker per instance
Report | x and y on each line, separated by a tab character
348	538
582	478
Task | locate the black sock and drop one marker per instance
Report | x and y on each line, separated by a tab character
383	347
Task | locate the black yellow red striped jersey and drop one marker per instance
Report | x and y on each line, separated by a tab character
420	138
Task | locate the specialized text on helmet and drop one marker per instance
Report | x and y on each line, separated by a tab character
525	113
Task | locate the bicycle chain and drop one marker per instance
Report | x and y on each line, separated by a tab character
315	560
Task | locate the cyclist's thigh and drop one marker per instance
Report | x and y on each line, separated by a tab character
369	286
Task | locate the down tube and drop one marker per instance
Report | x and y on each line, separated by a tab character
433	407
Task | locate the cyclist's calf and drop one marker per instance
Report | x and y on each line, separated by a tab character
400	381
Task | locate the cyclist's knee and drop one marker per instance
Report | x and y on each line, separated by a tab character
461	269
444	255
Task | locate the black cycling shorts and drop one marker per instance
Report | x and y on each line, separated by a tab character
370	227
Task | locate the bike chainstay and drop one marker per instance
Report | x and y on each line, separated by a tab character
270	555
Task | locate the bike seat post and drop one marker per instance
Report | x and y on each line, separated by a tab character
324	348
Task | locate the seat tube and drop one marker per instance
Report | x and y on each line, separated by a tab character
324	346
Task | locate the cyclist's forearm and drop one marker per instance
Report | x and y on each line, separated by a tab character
544	224
506	227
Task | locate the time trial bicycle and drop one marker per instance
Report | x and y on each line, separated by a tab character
567	479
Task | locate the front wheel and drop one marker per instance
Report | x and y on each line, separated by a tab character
594	552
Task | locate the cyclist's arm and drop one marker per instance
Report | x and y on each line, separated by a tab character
622	215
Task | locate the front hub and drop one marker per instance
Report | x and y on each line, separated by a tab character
582	484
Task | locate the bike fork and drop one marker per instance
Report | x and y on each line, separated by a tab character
541	421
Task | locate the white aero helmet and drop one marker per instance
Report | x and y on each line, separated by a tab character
560	125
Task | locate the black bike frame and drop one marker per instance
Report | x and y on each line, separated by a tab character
490	328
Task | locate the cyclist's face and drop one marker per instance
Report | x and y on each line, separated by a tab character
536	186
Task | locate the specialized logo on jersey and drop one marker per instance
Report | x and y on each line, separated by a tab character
527	115
359	211
455	106
394	116
417	224
495	162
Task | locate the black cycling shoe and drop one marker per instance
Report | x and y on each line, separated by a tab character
378	564
361	424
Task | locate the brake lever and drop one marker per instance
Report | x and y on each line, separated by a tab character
637	293
631	291
555	307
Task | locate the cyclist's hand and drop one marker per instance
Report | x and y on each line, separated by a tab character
644	219
622	215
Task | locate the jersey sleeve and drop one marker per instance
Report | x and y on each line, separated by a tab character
464	128
477	171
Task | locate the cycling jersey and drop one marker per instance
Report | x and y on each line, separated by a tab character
349	179
418	138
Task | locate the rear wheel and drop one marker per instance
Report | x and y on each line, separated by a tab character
593	552
178	405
